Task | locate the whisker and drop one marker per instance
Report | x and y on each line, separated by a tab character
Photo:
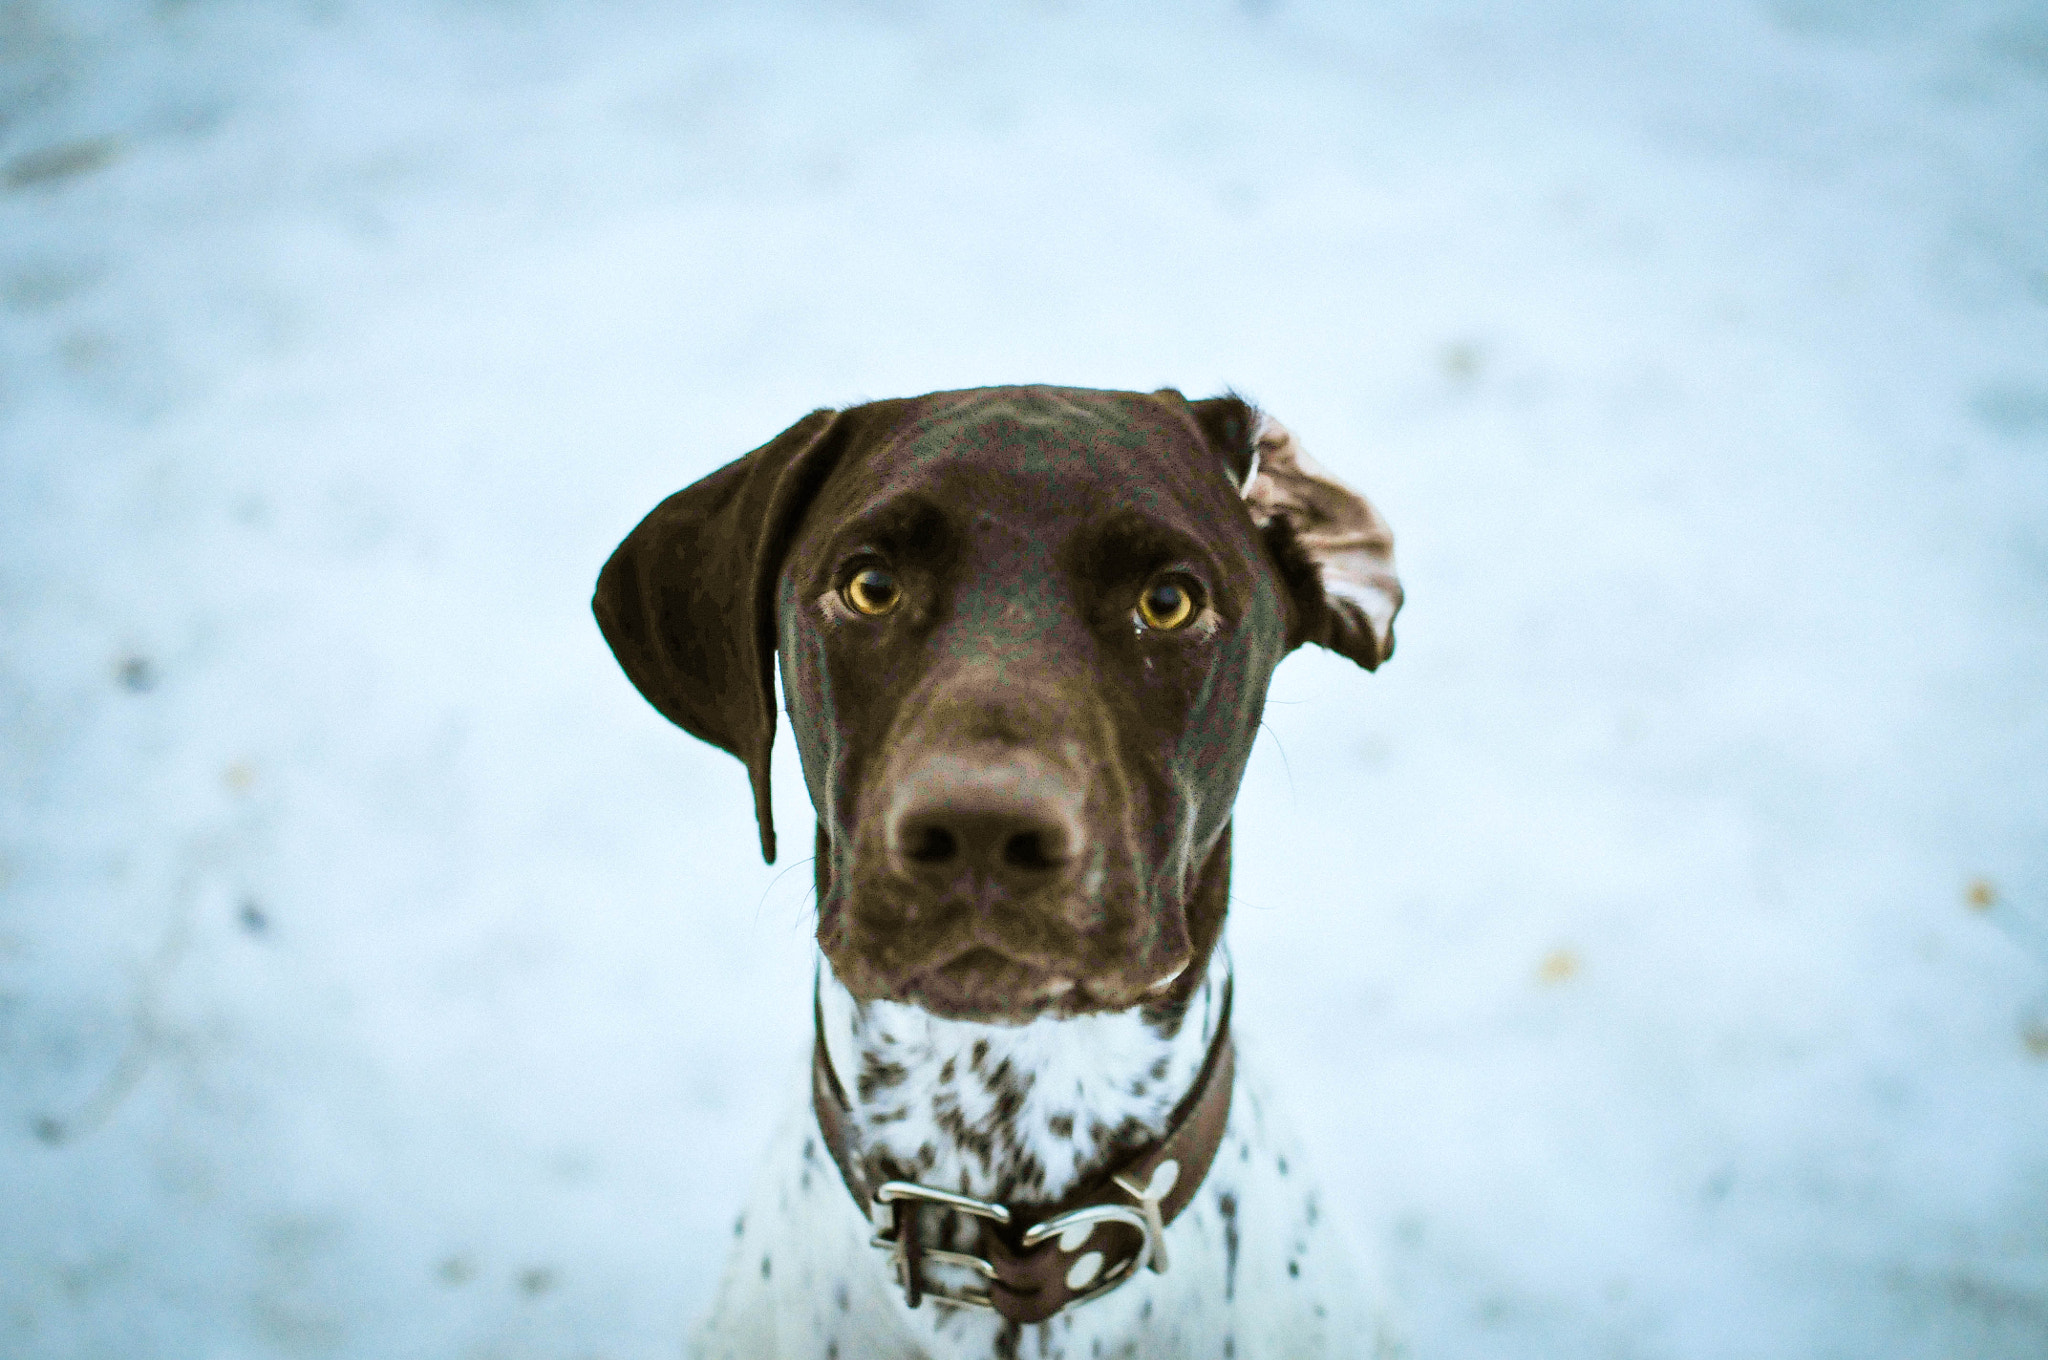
1285	764
781	874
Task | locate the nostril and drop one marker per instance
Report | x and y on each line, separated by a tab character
933	845
1028	850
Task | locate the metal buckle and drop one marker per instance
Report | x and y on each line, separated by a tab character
1087	1217
1164	1177
892	1231
893	1226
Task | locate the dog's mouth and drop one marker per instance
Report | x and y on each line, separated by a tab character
989	986
985	984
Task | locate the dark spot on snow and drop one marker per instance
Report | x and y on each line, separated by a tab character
41	284
739	1226
767	1267
2011	409
535	1281
1281	1162
839	1296
66	160
1226	1205
1061	1125
1294	1270
136	674
1461	360
1229	1348
456	1270
252	916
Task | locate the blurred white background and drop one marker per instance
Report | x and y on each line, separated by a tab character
1656	951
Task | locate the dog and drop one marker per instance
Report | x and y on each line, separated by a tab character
1025	636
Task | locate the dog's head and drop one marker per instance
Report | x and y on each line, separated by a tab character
1025	637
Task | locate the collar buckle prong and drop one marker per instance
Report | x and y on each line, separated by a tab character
896	1204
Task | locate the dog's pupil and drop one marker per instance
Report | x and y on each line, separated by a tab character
1164	603
874	589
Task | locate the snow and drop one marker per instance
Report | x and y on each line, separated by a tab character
1655	951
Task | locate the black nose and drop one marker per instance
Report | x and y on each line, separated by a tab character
1011	821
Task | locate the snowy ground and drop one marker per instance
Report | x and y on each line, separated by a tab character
1656	951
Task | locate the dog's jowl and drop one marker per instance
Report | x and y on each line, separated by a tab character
1025	635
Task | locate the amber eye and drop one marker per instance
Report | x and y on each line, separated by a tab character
872	590
1166	605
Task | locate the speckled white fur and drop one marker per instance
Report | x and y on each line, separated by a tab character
1075	1076
1258	1271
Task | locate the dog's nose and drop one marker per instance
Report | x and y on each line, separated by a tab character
1010	842
1013	821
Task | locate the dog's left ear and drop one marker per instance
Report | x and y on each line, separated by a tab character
687	602
1333	548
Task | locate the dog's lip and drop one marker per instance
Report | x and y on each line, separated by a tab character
978	964
984	980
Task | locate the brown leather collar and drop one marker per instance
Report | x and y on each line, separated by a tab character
1034	1258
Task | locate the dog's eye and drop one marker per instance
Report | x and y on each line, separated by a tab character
871	591
1166	605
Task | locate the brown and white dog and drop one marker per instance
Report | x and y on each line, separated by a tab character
1025	636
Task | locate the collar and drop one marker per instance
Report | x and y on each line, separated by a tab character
1037	1259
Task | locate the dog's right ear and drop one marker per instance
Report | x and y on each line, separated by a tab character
687	602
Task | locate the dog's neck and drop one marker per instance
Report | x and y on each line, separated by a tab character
1020	1114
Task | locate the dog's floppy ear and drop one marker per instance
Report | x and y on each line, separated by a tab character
687	602
1332	546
